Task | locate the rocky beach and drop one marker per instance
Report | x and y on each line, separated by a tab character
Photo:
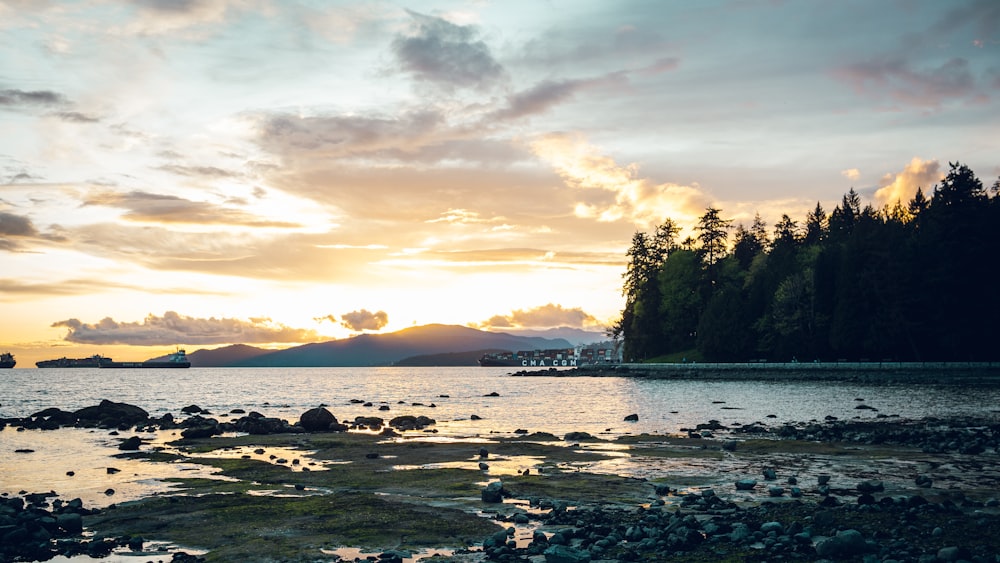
320	488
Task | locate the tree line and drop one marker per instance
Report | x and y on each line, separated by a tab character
912	281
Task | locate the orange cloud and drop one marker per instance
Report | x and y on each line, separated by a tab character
902	186
628	197
545	316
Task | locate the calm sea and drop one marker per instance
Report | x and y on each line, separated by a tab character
451	396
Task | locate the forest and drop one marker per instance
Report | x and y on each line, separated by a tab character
913	281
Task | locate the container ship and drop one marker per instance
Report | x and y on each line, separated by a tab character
176	360
560	357
7	360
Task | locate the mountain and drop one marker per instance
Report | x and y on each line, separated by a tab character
575	336
225	356
386	349
470	358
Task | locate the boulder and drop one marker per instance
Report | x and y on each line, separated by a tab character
132	443
317	420
746	484
632	418
493	492
109	414
847	543
410	422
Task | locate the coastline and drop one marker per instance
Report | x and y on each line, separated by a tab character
946	373
320	489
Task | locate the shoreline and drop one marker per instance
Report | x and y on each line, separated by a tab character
798	484
945	373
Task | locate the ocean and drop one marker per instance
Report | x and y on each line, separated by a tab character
503	406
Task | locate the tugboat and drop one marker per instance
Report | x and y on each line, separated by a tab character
7	360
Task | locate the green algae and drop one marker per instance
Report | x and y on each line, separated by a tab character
234	527
579	487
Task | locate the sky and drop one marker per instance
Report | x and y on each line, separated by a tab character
196	173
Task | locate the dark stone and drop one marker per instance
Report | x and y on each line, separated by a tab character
109	414
632	418
317	420
132	443
493	492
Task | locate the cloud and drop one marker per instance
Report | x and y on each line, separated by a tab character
76	117
633	199
897	80
851	174
339	136
42	98
198	171
547	93
14	227
15	289
545	316
174	329
160	208
447	55
364	320
903	186
161	17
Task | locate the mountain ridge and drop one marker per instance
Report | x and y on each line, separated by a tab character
379	349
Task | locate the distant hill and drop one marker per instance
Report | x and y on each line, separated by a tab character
575	336
387	349
225	356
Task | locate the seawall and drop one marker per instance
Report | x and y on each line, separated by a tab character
947	373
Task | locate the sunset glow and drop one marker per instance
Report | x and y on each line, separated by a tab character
202	173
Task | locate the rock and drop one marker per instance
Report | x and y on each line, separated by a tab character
776	491
410	422
746	484
484	453
923	481
847	543
952	553
493	394
373	422
317	420
70	522
577	437
632	418
109	414
191	409
132	443
729	445
493	492
770	474
484	466
772	526
112	470
565	554
869	487
475	417
196	432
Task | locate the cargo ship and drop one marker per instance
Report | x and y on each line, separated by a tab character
559	357
7	360
176	360
94	361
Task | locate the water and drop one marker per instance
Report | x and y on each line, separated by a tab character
551	404
451	396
